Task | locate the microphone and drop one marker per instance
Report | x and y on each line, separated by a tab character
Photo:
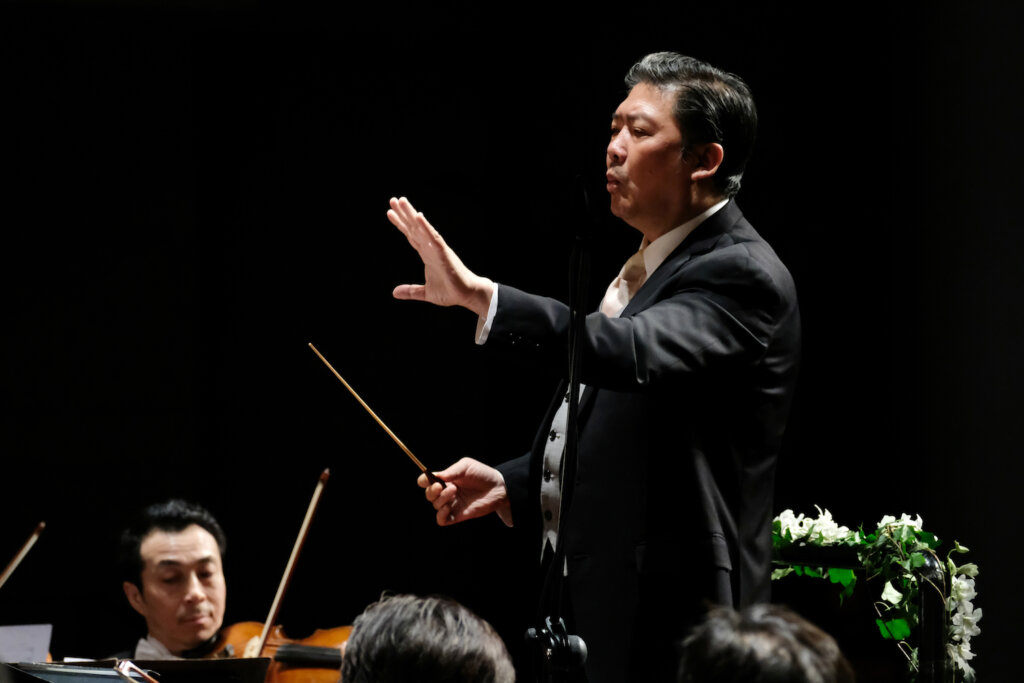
557	654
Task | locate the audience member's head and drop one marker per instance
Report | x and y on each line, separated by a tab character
761	644
405	638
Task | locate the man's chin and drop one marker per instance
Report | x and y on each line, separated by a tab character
197	641
206	634
618	207
202	630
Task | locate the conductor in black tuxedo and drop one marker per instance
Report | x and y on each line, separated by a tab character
686	378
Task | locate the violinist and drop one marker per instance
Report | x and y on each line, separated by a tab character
171	564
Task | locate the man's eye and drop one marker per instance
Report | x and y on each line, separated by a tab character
640	133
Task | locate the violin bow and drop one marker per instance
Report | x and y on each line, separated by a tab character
22	553
431	477
290	568
126	668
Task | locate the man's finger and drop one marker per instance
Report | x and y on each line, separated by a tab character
445	516
410	292
405	210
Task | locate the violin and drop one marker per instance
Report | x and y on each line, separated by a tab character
314	659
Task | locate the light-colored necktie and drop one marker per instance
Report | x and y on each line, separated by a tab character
623	287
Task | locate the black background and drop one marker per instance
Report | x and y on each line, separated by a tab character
196	191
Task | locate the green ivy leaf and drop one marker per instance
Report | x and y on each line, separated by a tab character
808	571
904	534
890	594
844	577
781	572
898	628
929	539
883	630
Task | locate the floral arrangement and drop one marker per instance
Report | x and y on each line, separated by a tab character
896	552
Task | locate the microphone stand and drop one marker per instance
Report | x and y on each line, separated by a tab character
561	655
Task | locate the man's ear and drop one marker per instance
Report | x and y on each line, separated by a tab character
131	591
707	158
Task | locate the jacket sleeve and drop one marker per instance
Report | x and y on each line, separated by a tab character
517	482
718	311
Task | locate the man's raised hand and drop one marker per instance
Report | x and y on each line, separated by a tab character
447	281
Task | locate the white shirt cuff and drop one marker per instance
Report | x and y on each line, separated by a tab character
483	325
505	516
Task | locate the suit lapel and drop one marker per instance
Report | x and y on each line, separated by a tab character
702	240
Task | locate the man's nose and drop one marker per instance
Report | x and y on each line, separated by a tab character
616	152
195	592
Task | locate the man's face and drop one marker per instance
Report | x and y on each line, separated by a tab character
647	178
183	591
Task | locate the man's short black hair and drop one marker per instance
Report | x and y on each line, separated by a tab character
761	644
424	639
172	515
712	105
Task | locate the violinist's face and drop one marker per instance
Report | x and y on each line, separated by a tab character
183	590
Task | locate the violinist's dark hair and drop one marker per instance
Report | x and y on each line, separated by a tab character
762	644
172	515
433	639
712	105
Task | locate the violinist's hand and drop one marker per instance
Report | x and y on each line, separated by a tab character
473	490
447	281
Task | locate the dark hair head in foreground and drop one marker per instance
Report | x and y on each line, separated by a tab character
761	644
425	639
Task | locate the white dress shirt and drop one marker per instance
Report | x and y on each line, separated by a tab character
149	648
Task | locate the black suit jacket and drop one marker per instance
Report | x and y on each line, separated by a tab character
687	397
